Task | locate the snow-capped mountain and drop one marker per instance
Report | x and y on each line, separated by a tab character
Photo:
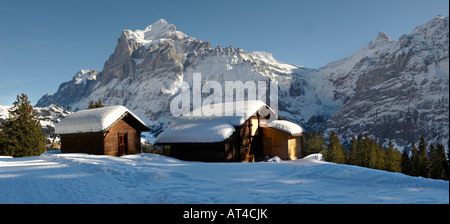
146	69
71	91
394	89
390	89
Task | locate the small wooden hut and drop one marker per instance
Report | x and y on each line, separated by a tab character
103	131
283	139
236	137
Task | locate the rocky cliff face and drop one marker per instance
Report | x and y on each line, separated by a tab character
390	89
395	89
71	91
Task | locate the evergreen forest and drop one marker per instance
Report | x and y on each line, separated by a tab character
425	160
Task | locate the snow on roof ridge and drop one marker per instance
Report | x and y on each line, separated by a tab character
286	126
204	129
240	110
92	120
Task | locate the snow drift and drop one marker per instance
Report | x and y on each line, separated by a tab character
146	178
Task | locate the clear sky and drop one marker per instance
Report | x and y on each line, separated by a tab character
44	43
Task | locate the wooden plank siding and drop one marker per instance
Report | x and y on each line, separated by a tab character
107	142
82	143
281	144
242	146
250	142
132	141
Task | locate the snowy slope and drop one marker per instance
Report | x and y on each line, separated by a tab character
146	178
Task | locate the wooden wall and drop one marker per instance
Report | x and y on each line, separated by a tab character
281	144
237	148
91	143
103	143
112	139
250	142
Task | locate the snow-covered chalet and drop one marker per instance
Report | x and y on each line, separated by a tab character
110	130
253	135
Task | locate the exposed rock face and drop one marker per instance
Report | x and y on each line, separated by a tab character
400	87
389	89
71	91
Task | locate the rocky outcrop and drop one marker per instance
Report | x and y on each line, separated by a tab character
76	89
401	88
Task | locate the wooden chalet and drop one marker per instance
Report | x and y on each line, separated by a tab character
246	137
103	131
282	138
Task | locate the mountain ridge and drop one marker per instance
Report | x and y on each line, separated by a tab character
147	67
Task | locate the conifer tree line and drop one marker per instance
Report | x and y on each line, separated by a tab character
95	104
425	161
21	135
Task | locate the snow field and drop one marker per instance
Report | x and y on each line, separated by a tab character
54	177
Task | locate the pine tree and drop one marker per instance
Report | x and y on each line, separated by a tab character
352	151
360	152
22	135
99	104
423	161
306	144
95	104
406	162
335	151
438	162
414	164
314	143
393	158
376	155
91	105
318	143
2	141
447	170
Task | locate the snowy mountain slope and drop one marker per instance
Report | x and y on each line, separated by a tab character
390	89
394	89
146	178
147	67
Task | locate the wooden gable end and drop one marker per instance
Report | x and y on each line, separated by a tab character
121	139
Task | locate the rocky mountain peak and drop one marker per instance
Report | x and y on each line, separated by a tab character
160	26
434	29
83	75
156	31
381	39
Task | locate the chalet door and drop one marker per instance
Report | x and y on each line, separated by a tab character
123	149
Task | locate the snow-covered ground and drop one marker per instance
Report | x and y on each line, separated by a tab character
54	177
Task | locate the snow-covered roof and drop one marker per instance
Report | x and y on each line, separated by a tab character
208	129
93	120
286	126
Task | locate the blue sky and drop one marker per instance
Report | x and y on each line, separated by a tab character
44	43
